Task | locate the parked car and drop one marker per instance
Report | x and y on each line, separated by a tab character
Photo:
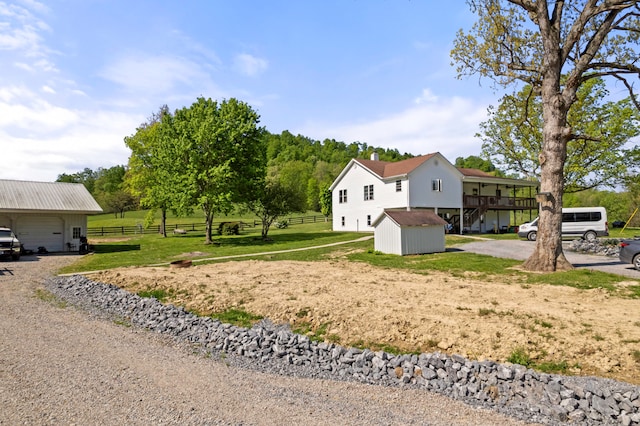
9	244
587	223
618	224
630	252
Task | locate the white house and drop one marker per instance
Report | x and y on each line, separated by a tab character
409	232
469	199
52	215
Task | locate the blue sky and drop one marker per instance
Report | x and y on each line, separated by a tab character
78	76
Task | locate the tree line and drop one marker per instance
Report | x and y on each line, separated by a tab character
215	157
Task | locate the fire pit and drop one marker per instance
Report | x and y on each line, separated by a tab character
180	264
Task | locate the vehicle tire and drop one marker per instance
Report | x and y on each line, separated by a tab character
590	236
636	261
531	236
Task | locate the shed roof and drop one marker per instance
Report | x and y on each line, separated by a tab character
20	196
413	218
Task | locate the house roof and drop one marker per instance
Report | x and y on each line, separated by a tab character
390	169
396	168
412	218
474	172
475	175
20	196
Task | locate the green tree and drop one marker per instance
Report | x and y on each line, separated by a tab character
87	177
596	155
475	162
110	191
555	47
118	202
293	175
213	156
146	178
275	201
326	201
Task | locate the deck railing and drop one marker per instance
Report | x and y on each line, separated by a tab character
502	203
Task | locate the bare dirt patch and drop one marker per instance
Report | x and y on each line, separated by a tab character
590	331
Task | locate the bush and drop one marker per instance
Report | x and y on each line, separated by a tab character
229	228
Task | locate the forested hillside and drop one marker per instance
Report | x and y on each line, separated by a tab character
304	164
310	165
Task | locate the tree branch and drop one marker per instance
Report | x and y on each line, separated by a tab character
629	87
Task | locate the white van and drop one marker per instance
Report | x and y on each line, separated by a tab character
584	222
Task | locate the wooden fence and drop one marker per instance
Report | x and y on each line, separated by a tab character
103	231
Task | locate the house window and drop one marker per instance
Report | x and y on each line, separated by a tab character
436	185
368	220
343	196
398	186
342	220
76	231
368	192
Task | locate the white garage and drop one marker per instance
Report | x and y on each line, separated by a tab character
47	215
406	232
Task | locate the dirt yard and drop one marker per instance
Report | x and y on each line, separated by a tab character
357	304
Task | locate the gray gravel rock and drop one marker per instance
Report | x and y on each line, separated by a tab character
267	347
60	365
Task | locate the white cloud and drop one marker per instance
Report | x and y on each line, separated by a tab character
444	125
20	32
41	140
152	74
427	96
95	141
249	64
21	109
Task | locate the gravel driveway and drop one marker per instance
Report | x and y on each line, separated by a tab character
522	249
62	365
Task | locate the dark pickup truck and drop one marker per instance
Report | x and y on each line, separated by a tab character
9	244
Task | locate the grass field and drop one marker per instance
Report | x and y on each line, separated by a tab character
152	249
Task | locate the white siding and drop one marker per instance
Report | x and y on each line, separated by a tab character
356	209
392	239
421	192
420	240
50	231
387	237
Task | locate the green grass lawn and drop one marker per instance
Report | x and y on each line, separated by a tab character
151	249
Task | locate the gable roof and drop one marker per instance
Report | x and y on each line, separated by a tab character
386	169
20	196
412	218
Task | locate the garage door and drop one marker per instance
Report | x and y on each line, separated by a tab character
41	231
5	221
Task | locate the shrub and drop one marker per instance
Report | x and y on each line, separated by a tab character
229	228
520	356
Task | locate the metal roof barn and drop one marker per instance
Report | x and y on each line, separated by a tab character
49	215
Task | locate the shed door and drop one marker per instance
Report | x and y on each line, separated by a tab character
41	231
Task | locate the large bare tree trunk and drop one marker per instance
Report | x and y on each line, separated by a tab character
548	255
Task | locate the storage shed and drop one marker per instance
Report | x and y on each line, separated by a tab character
52	215
406	232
